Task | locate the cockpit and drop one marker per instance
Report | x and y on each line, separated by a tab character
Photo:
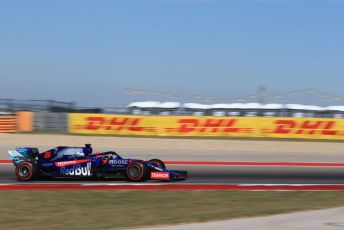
67	153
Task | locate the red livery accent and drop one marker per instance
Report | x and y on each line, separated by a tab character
5	161
160	176
73	162
47	155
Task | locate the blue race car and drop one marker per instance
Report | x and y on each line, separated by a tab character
81	162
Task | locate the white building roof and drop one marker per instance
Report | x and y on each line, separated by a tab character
174	105
335	108
195	106
169	105
251	106
226	106
304	107
144	104
272	106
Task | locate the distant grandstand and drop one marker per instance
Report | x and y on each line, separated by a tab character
262	95
235	109
287	104
295	103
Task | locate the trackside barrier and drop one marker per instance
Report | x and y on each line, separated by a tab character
7	124
50	122
25	121
304	128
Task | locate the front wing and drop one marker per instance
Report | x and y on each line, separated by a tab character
167	175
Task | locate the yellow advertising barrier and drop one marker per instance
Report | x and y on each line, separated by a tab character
281	127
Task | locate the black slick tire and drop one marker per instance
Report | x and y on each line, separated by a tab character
137	171
26	171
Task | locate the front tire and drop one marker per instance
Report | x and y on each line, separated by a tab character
26	171
137	171
157	163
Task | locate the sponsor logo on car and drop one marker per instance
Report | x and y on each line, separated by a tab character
76	170
160	175
118	162
67	163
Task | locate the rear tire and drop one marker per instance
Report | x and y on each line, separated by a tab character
137	171
158	163
26	171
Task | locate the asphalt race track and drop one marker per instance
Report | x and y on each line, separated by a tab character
227	174
224	174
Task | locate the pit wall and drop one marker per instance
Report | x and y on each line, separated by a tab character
180	126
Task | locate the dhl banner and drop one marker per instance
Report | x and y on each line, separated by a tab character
281	127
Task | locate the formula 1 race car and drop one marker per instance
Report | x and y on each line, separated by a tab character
81	162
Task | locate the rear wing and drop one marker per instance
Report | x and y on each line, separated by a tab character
22	154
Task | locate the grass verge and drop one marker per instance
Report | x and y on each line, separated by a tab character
112	210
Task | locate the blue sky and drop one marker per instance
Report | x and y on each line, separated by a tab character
89	51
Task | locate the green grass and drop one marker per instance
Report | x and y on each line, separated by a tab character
117	209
